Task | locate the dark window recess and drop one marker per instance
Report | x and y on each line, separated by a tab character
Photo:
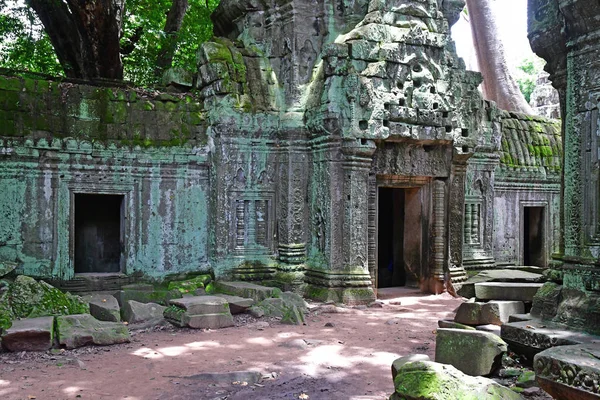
98	233
533	236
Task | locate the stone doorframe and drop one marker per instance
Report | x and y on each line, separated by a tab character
433	189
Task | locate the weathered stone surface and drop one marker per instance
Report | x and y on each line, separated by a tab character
495	329
79	330
426	380
456	347
179	317
569	372
453	325
135	312
247	290
469	313
519	317
28	298
399	362
530	337
6	267
497	312
196	305
498	275
104	307
237	305
145	293
506	291
546	301
29	334
190	285
249	377
279	307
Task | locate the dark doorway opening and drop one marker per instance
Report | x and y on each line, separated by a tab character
400	233
98	233
533	236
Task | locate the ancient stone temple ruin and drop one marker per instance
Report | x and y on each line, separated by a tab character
328	147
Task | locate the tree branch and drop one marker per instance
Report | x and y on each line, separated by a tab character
172	26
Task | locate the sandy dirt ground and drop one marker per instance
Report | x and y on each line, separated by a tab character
337	355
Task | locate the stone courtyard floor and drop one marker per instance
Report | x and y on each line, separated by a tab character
341	353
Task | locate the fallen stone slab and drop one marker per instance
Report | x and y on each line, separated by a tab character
104	307
246	290
196	305
469	313
506	291
528	338
237	305
82	329
29	334
199	312
569	372
136	313
499	275
190	285
446	323
457	347
6	267
426	380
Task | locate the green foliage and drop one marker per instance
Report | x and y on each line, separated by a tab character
25	46
527	73
23	43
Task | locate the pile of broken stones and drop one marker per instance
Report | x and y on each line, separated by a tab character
35	316
471	359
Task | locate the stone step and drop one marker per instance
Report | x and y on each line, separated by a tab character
29	334
569	372
247	290
199	305
506	290
531	337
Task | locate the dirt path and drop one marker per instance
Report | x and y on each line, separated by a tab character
343	355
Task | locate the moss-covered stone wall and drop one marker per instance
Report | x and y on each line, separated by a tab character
60	139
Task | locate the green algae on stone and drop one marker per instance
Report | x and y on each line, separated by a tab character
190	285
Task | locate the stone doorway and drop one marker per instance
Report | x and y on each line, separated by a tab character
98	233
533	236
399	236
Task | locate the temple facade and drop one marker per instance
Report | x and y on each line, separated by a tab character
327	147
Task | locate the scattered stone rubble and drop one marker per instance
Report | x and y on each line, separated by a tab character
35	316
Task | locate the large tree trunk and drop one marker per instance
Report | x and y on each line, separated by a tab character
498	84
85	35
172	26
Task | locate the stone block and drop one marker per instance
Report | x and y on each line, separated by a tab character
506	291
247	290
519	317
533	336
237	305
30	334
104	307
569	372
426	380
146	294
197	305
135	312
399	362
497	312
208	321
457	348
547	300
469	313
82	329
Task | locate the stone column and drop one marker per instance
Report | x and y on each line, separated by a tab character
292	215
344	230
456	208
